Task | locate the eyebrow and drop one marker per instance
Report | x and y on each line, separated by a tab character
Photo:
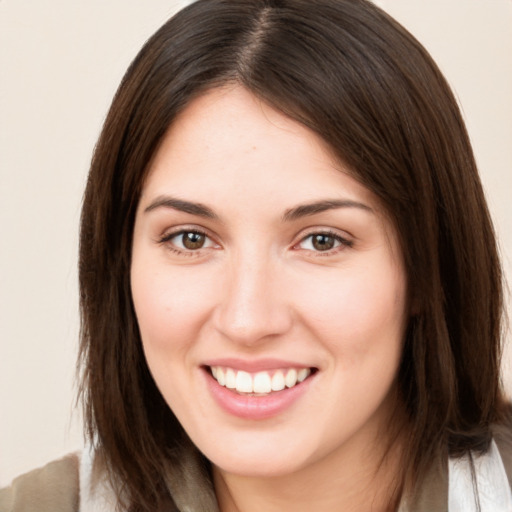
183	206
306	210
292	214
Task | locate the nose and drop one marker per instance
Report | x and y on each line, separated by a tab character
253	306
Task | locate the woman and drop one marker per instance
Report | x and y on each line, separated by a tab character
290	290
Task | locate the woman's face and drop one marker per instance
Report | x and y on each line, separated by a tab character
269	290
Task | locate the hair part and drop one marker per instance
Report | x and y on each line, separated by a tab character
350	73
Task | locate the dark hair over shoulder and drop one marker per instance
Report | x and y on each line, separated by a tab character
360	81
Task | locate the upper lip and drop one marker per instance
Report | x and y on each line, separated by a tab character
255	365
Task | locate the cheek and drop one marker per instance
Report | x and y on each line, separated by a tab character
170	306
357	310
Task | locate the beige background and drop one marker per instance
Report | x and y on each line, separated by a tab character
60	63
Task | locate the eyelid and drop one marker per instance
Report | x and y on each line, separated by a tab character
345	240
180	230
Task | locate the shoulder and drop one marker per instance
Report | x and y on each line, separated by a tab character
74	483
484	481
503	436
469	483
54	487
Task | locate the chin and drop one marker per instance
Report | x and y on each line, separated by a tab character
269	467
251	455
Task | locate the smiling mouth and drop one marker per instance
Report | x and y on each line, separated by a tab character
260	383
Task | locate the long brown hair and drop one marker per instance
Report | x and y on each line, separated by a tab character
359	80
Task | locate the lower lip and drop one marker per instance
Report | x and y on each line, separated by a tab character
255	407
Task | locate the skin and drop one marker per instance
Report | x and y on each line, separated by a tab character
259	288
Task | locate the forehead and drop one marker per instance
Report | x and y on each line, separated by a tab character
229	137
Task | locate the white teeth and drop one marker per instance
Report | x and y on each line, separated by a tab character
260	383
278	381
303	374
230	378
291	378
244	382
220	377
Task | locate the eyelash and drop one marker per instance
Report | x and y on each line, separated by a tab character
343	243
166	240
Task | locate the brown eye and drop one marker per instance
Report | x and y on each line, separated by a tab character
188	241
192	240
322	242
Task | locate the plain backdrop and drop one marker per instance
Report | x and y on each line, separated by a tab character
60	63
